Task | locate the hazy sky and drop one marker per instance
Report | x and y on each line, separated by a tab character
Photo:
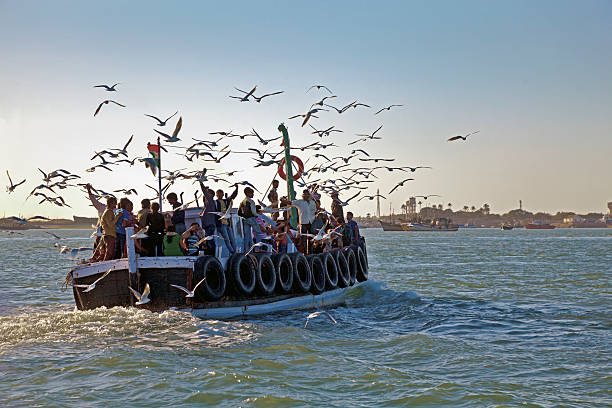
535	77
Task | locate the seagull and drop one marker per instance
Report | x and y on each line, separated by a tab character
371	136
360	150
325	132
244	98
142	234
207	238
308	115
24	220
413	169
345	203
387	108
319	87
427	196
371	197
190	293
124	150
92	286
400	184
162	122
257	245
462	137
317	314
375	160
144	298
258	99
108	88
246	183
53	235
106	102
177	129
12	187
320	103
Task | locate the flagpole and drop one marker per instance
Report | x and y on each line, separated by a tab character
159	181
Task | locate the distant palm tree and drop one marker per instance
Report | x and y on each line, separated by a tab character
450	205
440	206
419	203
486	208
473	208
465	208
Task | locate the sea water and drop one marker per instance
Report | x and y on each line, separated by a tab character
478	317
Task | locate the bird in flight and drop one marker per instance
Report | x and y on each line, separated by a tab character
106	102
319	87
387	108
317	314
12	187
246	96
177	129
89	288
162	122
24	220
427	196
371	197
308	115
190	293
108	88
400	184
122	151
462	137
144	298
413	169
259	98
345	203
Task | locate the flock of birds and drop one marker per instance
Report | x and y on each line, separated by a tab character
328	173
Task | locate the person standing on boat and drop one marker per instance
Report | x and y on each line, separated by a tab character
157	225
307	209
208	219
353	227
108	221
248	211
336	206
223	226
100	208
273	198
141	217
178	216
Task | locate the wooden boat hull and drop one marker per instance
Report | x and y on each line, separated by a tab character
387	226
428	228
539	226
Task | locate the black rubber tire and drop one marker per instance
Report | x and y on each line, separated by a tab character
265	274
213	287
362	245
362	266
331	271
241	275
302	276
344	276
284	272
318	274
351	261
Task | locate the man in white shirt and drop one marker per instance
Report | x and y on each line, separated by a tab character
307	209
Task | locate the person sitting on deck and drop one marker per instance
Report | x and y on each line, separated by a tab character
141	217
223	226
190	238
248	211
178	215
157	225
265	224
172	242
109	229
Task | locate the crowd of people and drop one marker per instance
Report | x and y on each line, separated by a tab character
167	235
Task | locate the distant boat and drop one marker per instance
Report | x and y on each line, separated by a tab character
388	226
441	224
506	227
538	225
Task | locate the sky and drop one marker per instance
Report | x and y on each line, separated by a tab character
535	78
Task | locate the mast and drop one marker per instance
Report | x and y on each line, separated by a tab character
159	178
289	172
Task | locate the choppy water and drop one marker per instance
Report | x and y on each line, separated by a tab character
474	318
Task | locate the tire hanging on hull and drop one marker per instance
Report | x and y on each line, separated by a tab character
241	275
284	273
213	287
318	274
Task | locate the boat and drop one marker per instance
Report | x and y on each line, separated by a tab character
538	225
438	225
389	226
223	284
506	227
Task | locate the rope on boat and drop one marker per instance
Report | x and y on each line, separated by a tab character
67	282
